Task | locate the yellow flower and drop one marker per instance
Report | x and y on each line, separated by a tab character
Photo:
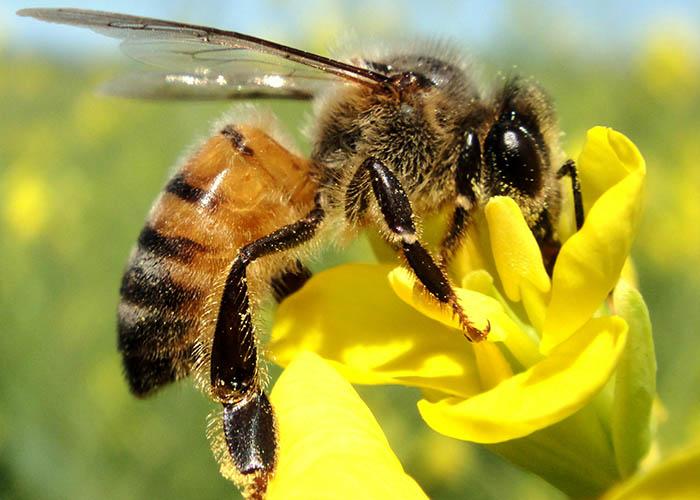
330	444
670	63
564	384
26	206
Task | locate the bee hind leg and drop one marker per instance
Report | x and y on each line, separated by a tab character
398	215
248	418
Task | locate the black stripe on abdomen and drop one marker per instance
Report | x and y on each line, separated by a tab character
147	284
174	247
184	190
146	330
157	324
156	346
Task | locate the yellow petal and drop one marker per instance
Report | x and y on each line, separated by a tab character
515	250
547	393
493	366
330	445
523	342
350	316
480	308
590	262
475	251
606	159
676	477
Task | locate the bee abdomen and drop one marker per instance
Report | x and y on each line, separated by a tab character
239	186
179	186
157	318
145	374
156	346
173	247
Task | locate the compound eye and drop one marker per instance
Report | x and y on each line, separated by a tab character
512	156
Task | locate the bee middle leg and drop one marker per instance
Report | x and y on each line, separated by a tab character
248	418
398	215
466	173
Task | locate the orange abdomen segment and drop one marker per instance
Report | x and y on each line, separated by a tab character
238	186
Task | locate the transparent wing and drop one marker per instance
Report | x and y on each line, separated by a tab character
156	85
209	62
199	71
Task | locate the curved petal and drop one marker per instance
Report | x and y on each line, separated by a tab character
550	391
515	250
492	364
590	262
481	309
523	342
349	316
330	445
518	258
607	158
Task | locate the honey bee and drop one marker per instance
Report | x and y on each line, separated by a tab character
398	137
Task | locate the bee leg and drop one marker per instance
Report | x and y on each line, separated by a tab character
549	245
248	420
398	215
289	281
569	168
466	174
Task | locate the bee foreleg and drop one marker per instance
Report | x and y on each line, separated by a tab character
466	174
249	424
569	168
398	215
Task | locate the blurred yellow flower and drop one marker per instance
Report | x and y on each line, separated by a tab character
330	444
26	204
667	240
534	390
670	64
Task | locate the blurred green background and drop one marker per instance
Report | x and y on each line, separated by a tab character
78	173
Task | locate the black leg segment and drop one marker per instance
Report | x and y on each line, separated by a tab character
233	354
398	215
248	420
549	245
290	281
251	423
569	168
233	351
466	174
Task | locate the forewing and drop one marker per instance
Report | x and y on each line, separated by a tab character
185	86
219	62
196	70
